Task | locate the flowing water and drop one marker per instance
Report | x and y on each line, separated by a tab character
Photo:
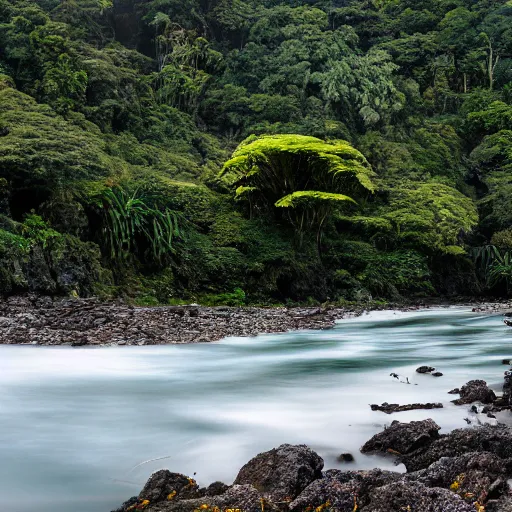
76	423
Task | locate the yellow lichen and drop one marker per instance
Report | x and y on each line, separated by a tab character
171	495
479	507
204	506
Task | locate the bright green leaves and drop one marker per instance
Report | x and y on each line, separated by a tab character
304	198
304	175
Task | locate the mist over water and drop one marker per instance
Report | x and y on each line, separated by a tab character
74	422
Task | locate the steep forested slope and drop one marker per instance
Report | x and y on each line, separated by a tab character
378	158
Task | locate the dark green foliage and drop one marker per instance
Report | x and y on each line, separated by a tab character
117	118
129	224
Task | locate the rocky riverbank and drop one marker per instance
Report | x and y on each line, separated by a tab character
42	320
47	321
463	471
466	470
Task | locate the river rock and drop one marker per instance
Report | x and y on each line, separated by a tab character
343	490
216	489
127	504
403	437
501	505
243	497
507	389
476	473
488	438
425	369
163	483
391	408
415	497
282	473
475	391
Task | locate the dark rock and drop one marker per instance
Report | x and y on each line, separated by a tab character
391	408
506	361
507	389
437	374
282	473
216	488
501	505
487	438
346	457
164	483
455	391
415	497
128	503
475	391
342	489
243	497
403	437
476	473
425	369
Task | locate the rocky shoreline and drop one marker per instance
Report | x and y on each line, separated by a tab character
466	470
42	320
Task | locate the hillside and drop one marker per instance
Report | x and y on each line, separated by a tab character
256	151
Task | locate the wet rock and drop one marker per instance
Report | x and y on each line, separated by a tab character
216	488
243	497
415	497
437	374
455	391
163	483
506	361
282	473
480	474
488	438
501	505
475	391
46	321
507	389
425	369
346	457
403	437
391	408
343	490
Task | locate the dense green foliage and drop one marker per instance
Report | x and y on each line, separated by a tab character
244	151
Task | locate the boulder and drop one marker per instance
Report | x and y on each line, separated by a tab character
415	497
282	473
476	474
216	489
488	438
425	369
403	437
475	391
238	497
342	490
163	484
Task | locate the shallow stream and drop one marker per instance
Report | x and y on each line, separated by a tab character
77	424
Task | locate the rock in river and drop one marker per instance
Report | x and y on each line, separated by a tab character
282	473
403	437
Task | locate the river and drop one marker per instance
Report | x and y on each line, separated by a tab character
76	423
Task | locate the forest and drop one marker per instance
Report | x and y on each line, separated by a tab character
233	152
